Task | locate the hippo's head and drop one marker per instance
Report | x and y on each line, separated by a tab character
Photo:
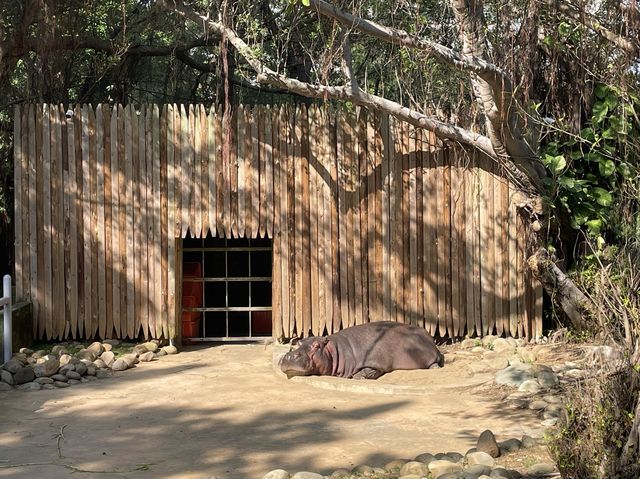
308	359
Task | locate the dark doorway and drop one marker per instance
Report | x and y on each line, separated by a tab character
226	289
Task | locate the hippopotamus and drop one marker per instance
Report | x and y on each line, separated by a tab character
366	351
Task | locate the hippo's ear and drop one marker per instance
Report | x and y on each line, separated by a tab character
318	342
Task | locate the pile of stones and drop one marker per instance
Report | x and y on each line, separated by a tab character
31	370
480	462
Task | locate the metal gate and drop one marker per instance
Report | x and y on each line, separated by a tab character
226	289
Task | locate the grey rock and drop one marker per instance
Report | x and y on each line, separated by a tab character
72	375
510	445
81	369
538	405
30	386
67	367
5	387
43	380
87	354
13	365
20	357
131	359
59	350
547	379
24	375
574	374
515	374
47	368
502	345
411	476
454	475
31	361
501	472
6	377
541	469
102	374
551	414
112	342
96	347
340	474
488	340
89	379
487	444
119	365
48	386
100	364
362	469
307	475
107	346
530	386
74	381
415	467
440	467
528	442
170	349
468	343
91	370
61	384
60	378
140	349
108	358
161	352
480	458
146	357
26	351
151	346
550	422
425	458
497	362
277	474
395	465
478	470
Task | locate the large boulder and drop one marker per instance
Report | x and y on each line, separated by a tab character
24	375
47	368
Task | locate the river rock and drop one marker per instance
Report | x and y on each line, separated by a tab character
170	349
112	342
547	379
119	365
541	469
440	467
59	350
26	351
43	380
537	405
5	387
74	381
20	357
96	347
67	367
528	442
146	357
468	343
131	359
87	354
72	375
487	444
477	470
415	467
24	375
425	457
480	458
277	474
140	349
102	373
91	370
107	346
30	386
61	384
530	386
307	475
60	377
502	345
6	377
395	465
362	469
100	364
108	358
151	346
510	445
81	368
13	365
65	359
515	374
47	368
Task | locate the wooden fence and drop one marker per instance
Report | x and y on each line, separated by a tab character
370	218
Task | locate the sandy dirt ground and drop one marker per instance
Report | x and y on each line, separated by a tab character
224	412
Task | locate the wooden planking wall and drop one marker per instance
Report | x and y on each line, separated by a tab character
371	219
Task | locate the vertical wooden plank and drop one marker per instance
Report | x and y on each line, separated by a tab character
190	173
268	172
108	221
203	185
305	226
285	293
469	239
350	158
414	311
57	213
172	144
429	193
155	313
71	189
320	177
100	236
276	271
130	249
241	156
38	175
405	215
227	148
378	224
314	219
120	321
337	318
395	208
255	173
25	138
86	217
343	268
386	161
139	133
213	160
504	238
19	212
521	293
250	150
162	326
114	141
359	252
419	222
487	263
537	311
446	246
500	252
233	172
458	321
196	226
370	227
261	169
93	163
144	266
77	323
47	226
441	242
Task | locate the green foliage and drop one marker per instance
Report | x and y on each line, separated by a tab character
588	170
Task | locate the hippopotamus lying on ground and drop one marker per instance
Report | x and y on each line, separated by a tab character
366	351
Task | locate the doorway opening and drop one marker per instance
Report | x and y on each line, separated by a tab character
226	289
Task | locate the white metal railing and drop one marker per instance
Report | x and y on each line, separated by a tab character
5	302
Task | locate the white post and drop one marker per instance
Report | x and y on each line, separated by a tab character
8	332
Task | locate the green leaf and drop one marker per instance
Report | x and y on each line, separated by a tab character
602	91
555	163
306	3
599	112
606	167
602	196
594	226
625	170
